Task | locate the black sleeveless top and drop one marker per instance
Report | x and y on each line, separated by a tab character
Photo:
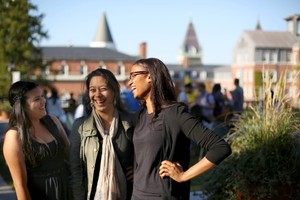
48	179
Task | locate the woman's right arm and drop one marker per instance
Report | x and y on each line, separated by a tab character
14	157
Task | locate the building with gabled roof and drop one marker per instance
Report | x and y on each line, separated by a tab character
273	50
68	65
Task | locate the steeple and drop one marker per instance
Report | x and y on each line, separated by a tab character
190	52
258	26
103	37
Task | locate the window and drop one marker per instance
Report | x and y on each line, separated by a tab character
272	75
176	75
203	75
266	56
289	76
194	74
282	56
83	68
298	27
273	56
64	68
288	56
258	55
238	74
120	69
193	50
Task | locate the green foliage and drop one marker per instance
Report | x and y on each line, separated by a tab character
266	152
258	82
20	33
5	106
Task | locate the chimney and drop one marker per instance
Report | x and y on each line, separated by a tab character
143	50
293	22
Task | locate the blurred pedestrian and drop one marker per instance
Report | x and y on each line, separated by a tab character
54	107
207	103
237	97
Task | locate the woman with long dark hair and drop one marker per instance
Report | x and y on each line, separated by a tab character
35	146
161	137
101	142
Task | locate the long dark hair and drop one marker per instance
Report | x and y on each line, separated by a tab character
162	88
18	118
112	83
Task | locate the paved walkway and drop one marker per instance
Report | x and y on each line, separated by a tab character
6	192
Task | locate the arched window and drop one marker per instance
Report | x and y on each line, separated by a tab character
121	69
64	68
83	68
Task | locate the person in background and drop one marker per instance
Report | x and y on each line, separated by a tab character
80	109
207	103
220	100
220	112
237	97
72	104
35	146
101	157
131	104
54	107
187	96
162	137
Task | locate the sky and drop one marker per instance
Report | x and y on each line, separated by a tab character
162	24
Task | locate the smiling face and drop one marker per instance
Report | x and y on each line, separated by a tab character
101	95
35	103
140	82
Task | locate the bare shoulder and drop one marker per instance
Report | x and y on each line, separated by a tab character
11	135
12	142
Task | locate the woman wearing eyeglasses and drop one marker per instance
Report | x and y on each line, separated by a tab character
101	155
161	137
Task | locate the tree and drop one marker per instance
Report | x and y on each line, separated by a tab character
20	33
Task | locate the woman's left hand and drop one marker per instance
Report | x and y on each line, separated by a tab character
173	170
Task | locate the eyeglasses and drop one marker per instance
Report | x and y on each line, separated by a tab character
134	74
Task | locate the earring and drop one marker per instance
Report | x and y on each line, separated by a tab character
91	104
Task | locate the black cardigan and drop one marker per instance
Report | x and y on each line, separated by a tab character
179	126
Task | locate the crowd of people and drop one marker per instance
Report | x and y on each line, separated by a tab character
214	109
112	151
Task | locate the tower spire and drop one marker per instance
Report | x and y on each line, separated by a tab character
103	37
258	26
190	52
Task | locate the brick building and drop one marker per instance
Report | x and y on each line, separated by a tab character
69	65
270	50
